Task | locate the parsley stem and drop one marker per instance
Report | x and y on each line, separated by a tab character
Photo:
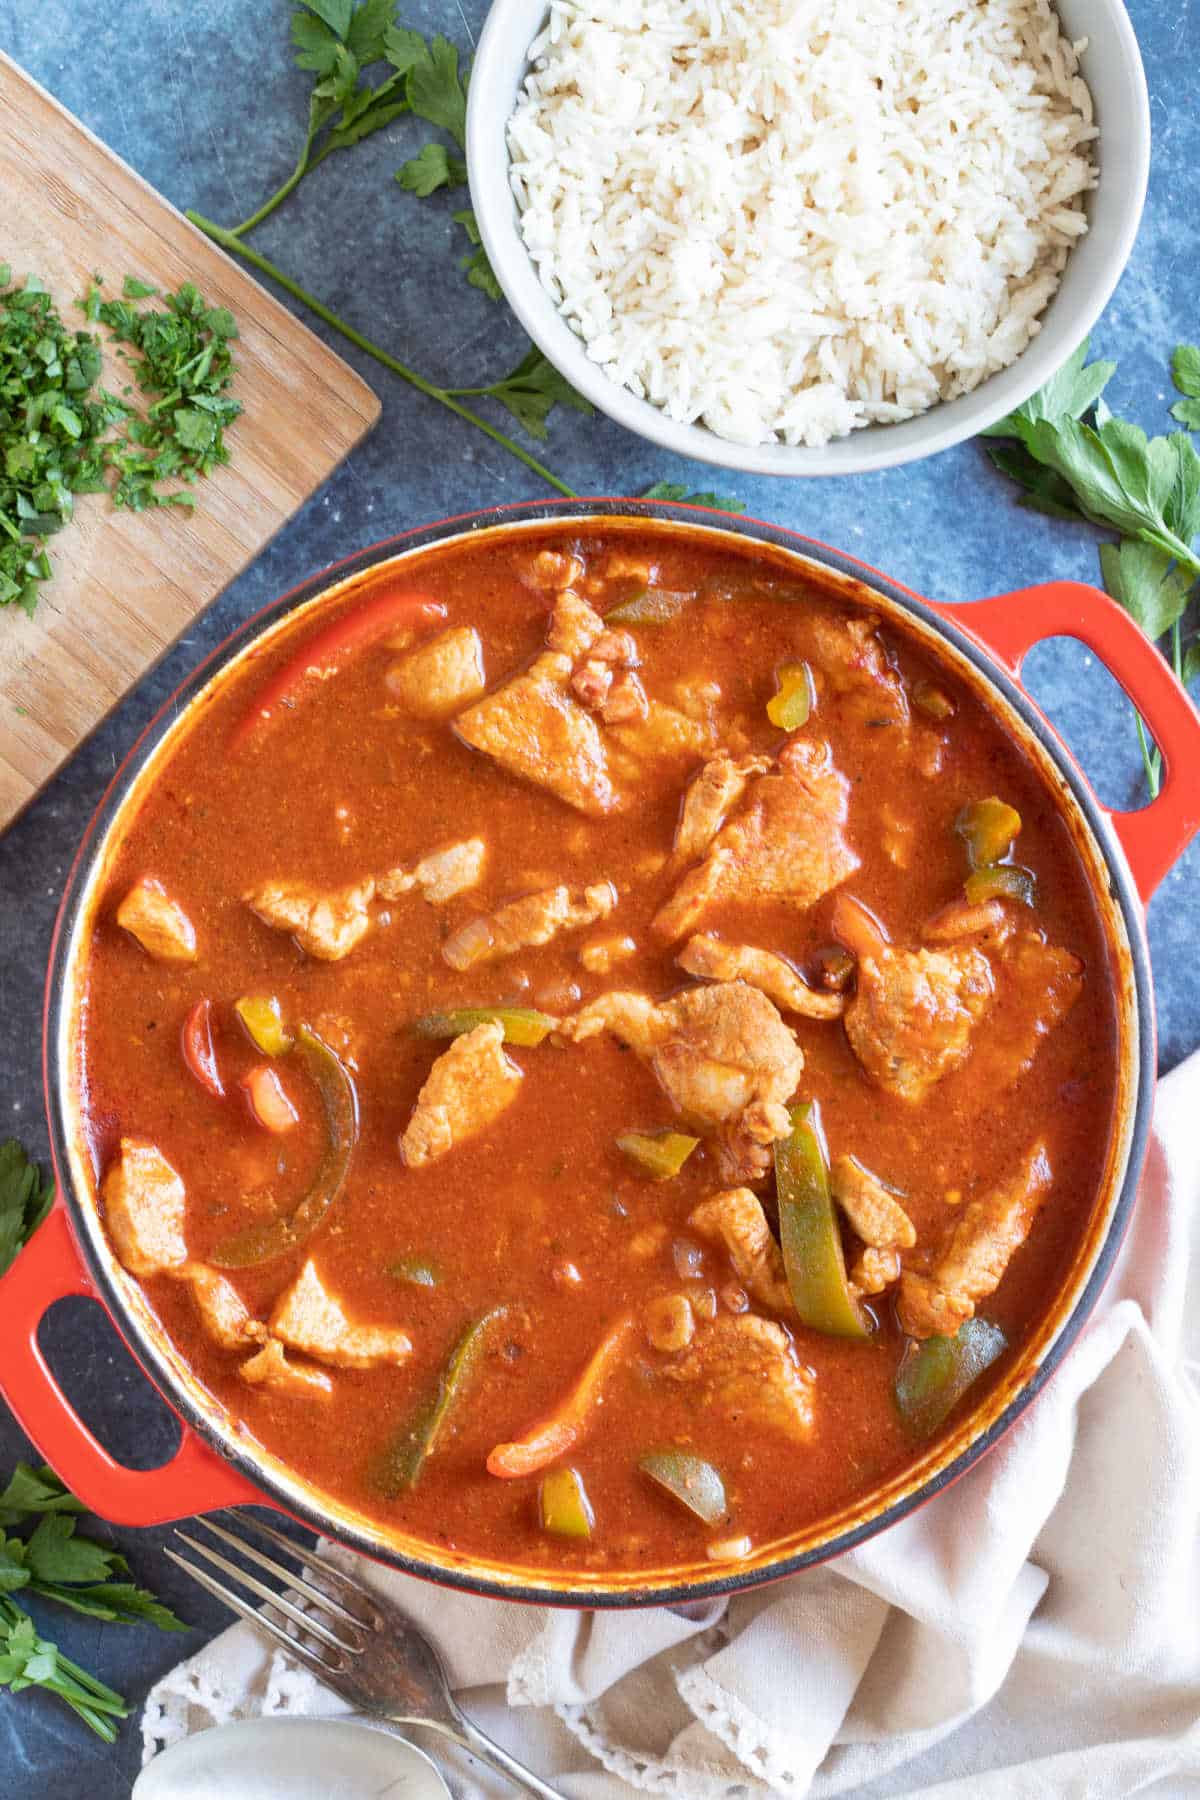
228	241
280	195
1149	762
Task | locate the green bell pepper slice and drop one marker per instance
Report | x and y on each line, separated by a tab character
399	1465
339	1098
935	1373
809	1235
653	606
522	1024
262	1017
691	1480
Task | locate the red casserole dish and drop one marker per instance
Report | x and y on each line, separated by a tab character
1127	855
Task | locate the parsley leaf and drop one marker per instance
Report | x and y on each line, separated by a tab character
366	33
1045	489
1185	372
117	1603
25	1199
34	1491
435	91
403	48
677	492
478	269
316	46
434	167
334	13
55	1553
1071	392
532	390
1147	583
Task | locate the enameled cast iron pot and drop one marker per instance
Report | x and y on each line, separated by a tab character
1127	854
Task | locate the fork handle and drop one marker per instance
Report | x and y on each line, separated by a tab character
479	1744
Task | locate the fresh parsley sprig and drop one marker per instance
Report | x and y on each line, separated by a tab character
1075	459
676	491
26	1196
369	68
56	1561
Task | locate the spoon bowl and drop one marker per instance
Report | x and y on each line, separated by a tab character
292	1759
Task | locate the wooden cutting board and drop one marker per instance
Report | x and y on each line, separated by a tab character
127	584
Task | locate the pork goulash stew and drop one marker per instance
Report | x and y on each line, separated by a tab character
595	1048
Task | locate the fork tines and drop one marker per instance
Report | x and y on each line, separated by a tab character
340	1631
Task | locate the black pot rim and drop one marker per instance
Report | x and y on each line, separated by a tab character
148	1354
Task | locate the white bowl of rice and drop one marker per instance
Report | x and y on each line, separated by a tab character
807	237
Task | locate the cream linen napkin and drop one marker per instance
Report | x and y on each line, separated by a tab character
1034	1632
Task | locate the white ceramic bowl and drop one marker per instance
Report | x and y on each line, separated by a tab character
1112	66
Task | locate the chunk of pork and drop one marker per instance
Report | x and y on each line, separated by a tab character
710	798
441	676
980	1247
471	1084
746	1369
159	923
736	1219
144	1206
879	1221
913	1013
308	1318
535	728
786	843
528	923
440	875
852	665
271	1369
224	1314
714	959
723	1055
326	924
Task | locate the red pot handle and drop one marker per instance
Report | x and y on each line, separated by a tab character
195	1480
1011	624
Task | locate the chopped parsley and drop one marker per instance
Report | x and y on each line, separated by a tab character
62	435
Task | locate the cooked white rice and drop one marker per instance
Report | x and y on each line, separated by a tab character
790	218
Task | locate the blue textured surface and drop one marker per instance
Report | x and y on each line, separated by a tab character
201	97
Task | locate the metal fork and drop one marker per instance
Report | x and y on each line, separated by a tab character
362	1647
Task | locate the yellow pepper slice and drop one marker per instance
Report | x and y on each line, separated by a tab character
262	1016
793	698
563	1504
659	1154
1001	881
989	829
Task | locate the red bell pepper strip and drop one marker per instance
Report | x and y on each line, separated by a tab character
328	649
268	1102
545	1442
195	1039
